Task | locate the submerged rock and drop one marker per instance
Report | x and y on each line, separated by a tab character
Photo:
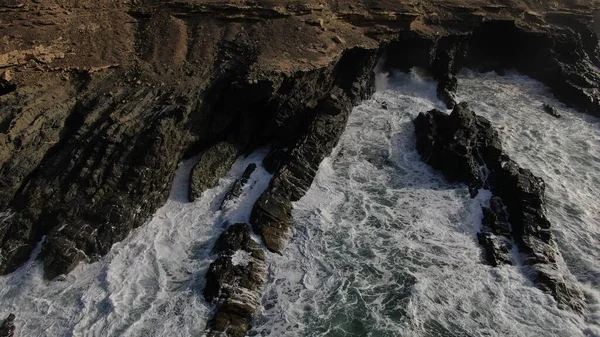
214	163
234	281
551	111
466	148
7	329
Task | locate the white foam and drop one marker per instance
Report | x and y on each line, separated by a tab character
241	258
384	246
148	285
564	152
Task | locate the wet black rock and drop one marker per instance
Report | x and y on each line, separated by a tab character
271	216
7	329
466	148
446	90
274	159
234	281
213	164
455	144
238	185
497	248
495	217
551	111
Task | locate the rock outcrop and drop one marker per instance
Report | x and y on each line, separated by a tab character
7	329
235	191
234	280
214	163
466	148
272	214
104	98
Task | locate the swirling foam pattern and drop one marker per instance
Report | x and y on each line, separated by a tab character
384	246
148	285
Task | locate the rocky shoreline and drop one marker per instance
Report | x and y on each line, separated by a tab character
94	123
466	148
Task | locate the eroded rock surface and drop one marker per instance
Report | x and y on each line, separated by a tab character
213	164
235	191
104	98
7	329
466	148
234	280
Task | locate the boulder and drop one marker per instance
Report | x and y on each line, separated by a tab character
213	164
551	111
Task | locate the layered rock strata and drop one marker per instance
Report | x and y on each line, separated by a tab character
466	148
213	163
234	280
101	100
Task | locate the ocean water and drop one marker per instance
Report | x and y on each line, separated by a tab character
148	285
382	244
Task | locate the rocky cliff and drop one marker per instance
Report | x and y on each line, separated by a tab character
99	100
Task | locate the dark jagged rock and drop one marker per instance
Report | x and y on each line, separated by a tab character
274	159
497	248
495	217
455	144
7	329
271	216
551	110
234	280
213	164
238	185
446	90
92	134
466	148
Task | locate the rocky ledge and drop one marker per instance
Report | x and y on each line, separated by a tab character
466	148
234	280
100	100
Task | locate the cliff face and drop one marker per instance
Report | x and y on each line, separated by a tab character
99	100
